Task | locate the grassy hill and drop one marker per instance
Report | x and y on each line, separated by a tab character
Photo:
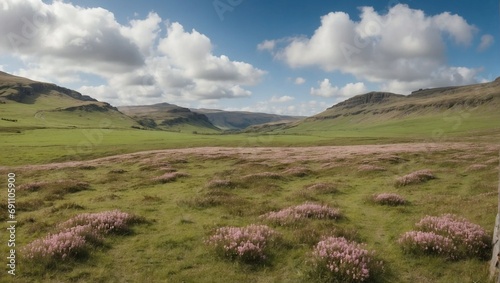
430	113
171	117
239	120
27	104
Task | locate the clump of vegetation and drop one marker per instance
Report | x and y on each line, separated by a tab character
336	259
297	172
450	235
77	235
389	199
170	177
416	177
262	175
219	184
250	244
296	213
321	188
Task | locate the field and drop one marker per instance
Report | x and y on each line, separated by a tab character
185	193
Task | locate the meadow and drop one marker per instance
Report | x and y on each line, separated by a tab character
181	197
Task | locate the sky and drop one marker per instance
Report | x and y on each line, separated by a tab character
276	56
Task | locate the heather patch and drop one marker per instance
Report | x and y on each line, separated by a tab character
169	177
296	213
250	244
370	168
336	259
416	177
389	199
463	238
321	188
77	235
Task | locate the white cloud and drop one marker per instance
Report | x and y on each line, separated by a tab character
486	41
281	99
266	45
142	61
400	47
299	81
327	90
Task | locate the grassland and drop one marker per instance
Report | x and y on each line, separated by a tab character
182	213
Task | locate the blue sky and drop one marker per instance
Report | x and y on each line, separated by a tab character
282	56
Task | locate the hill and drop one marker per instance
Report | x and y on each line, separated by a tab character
239	120
165	116
25	103
434	113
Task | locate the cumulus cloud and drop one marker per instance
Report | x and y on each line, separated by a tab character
299	81
143	61
400	47
266	45
486	41
326	89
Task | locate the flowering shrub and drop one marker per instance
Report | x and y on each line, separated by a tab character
262	175
418	242
59	245
339	260
298	172
77	234
248	244
103	222
415	178
453	236
307	210
389	199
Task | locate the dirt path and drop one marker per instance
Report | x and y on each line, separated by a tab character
280	154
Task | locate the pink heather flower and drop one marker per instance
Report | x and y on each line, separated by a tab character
448	235
389	199
105	222
306	210
344	261
245	243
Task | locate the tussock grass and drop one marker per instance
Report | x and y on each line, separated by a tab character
413	178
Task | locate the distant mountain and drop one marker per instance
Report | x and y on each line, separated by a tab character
239	120
28	103
165	116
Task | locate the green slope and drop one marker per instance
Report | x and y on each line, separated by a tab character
433	113
165	116
26	104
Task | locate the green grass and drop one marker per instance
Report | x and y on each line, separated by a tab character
170	247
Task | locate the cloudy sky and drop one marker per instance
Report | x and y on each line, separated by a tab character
281	56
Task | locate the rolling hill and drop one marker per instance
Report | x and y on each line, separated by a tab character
239	120
30	104
165	116
430	113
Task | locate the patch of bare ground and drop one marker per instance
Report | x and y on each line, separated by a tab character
283	155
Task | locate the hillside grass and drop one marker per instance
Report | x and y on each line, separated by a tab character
180	215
